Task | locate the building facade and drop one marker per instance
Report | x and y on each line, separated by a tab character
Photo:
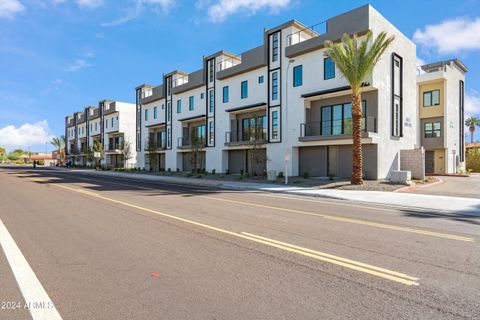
282	106
441	92
111	125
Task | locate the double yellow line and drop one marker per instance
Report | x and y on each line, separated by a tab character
317	255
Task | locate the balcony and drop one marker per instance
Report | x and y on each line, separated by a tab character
334	130
156	145
189	143
228	63
115	147
307	33
246	138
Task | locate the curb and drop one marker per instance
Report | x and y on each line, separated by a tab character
419	186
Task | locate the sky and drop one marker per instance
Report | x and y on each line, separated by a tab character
58	56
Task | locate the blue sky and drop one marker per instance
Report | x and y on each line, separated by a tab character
58	56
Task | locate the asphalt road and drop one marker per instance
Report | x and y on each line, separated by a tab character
104	248
464	187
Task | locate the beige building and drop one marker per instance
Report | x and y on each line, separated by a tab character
441	89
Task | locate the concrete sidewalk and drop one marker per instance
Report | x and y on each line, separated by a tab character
453	205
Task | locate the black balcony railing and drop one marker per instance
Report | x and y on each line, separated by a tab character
335	127
115	146
247	136
187	142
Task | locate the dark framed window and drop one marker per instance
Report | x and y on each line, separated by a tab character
169	111
211	98
461	94
179	106
225	94
297	76
155	112
202	95
275	47
274	124
211	129
260	79
211	70
146	116
275	85
244	90
433	129
337	119
397	95
328	69
431	98
191	103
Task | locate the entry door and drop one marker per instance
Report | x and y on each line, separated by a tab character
332	161
429	161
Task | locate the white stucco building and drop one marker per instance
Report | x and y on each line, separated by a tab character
111	124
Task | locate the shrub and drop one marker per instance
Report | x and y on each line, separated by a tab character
227	172
473	160
178	169
213	171
41	162
199	176
306	175
247	175
189	174
169	170
241	172
280	175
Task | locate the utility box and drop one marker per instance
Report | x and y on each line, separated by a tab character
271	175
401	176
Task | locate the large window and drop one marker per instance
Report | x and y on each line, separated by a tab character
275	125
397	95
431	98
433	130
155	112
275	86
328	69
225	94
211	97
337	119
275	47
146	115
244	90
297	76
254	128
191	105
179	106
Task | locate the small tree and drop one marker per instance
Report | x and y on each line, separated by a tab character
257	154
472	123
197	143
90	155
98	147
127	152
2	151
150	149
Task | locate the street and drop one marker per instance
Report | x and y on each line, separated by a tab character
113	248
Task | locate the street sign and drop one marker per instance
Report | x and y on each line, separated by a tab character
97	154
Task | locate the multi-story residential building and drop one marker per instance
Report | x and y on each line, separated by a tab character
285	101
441	91
111	124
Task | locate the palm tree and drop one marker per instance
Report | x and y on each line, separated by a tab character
356	59
471	123
59	143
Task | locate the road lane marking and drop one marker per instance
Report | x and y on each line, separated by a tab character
349	220
31	288
350	264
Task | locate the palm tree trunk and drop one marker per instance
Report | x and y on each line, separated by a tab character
357	160
472	130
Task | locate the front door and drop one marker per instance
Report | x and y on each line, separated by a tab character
429	162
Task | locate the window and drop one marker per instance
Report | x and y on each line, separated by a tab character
155	112
275	125
260	79
275	86
328	69
191	103
432	130
211	70
96	128
431	98
275	47
337	119
111	120
461	87
225	94
297	76
397	95
254	128
146	114
202	95
169	111
91	127
211	134
106	121
163	106
179	106
244	89
211	97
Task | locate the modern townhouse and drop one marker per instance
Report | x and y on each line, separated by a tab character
286	102
111	124
441	94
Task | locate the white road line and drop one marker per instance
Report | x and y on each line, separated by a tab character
36	298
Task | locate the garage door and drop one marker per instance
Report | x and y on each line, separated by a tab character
313	160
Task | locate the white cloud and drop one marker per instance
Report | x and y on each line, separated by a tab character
472	103
78	65
221	9
8	8
134	12
450	36
90	3
25	135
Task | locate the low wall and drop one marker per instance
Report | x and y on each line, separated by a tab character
413	160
